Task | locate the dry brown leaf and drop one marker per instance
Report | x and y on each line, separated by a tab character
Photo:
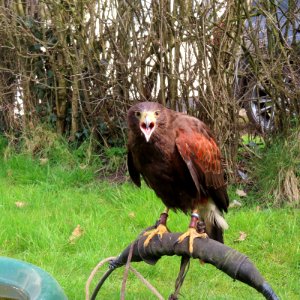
44	161
235	203
76	234
241	193
242	237
20	204
131	215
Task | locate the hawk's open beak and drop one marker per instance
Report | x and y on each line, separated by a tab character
147	125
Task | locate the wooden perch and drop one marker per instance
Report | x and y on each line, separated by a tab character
226	259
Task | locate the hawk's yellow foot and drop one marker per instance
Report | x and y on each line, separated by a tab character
159	230
192	234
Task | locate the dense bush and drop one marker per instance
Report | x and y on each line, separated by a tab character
78	66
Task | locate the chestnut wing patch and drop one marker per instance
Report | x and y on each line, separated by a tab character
202	157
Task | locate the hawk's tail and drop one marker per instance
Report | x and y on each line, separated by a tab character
214	221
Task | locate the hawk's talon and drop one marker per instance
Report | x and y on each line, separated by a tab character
192	234
159	230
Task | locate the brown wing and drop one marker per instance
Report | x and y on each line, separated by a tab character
133	172
203	159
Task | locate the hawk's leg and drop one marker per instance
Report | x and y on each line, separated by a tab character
161	227
192	232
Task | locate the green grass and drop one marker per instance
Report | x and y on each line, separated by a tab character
277	172
60	197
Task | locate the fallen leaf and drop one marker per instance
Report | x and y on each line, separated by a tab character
131	215
235	203
20	204
242	237
76	234
241	193
242	174
44	161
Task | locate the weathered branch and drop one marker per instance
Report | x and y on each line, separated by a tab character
226	259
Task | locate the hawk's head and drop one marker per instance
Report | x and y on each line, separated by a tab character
146	117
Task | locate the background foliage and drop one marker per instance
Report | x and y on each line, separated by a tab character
69	70
78	65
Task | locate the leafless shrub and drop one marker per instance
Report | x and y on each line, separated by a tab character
79	65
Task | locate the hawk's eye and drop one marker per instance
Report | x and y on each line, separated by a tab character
157	113
137	114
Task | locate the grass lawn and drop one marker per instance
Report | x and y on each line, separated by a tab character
55	199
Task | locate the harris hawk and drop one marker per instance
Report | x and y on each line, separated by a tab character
178	158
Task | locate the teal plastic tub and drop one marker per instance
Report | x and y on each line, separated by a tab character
23	281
